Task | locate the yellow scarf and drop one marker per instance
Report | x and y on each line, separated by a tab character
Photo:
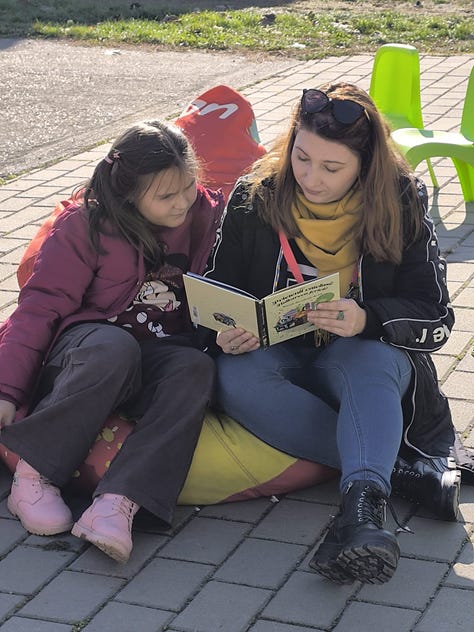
328	234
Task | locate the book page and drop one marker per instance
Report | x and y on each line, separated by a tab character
286	309
218	306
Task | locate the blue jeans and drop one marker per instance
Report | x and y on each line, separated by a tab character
339	405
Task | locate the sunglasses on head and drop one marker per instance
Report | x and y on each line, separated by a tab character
344	111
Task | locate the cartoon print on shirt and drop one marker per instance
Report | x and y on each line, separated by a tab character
157	293
156	307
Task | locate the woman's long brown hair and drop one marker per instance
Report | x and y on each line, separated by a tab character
384	226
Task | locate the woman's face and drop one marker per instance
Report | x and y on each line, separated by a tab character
167	198
324	169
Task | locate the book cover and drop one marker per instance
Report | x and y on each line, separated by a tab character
275	318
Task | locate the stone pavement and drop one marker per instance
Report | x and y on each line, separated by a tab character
242	567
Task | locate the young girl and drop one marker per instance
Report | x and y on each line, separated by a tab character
102	323
333	196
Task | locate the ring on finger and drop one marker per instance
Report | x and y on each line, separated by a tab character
233	348
340	315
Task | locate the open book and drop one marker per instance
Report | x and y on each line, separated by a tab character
274	318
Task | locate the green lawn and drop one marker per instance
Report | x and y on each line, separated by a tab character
308	30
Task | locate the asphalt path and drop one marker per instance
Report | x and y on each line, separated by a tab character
58	99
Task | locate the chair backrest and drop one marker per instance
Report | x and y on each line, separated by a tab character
395	85
467	121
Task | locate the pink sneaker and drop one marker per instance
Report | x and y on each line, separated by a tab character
37	503
107	524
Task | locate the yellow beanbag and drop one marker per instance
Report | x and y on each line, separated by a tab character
229	463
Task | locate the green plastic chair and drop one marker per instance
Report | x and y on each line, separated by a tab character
395	88
421	144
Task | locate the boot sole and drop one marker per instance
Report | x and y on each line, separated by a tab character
450	493
332	570
106	545
325	563
372	562
35	530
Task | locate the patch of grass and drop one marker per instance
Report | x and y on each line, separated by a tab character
295	28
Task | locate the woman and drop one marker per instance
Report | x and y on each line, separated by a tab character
334	196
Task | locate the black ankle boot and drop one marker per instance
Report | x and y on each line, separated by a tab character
433	483
356	547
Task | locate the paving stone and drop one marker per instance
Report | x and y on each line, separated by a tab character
460	385
261	563
119	617
20	624
246	511
222	606
166	584
71	597
360	617
325	493
444	364
462	573
294	521
8	603
95	561
59	542
414	583
205	540
451	611
11	532
273	626
465	298
434	539
457	342
467	363
27	568
462	413
308	599
466	505
460	271
463	254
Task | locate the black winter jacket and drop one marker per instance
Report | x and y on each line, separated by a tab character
407	305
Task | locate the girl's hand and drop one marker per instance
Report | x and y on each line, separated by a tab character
7	412
237	341
343	317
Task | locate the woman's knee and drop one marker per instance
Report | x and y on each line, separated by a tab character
364	356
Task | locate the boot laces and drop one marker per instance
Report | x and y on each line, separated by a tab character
39	483
407	483
125	506
372	507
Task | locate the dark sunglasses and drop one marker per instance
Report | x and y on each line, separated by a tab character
344	111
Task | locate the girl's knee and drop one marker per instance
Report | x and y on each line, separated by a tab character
112	348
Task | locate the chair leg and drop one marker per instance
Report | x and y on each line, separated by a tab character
432	174
465	173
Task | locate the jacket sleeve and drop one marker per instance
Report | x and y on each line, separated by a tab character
63	270
419	315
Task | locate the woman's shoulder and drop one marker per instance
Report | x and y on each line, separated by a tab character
243	198
409	184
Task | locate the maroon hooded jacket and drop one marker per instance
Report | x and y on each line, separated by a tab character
72	282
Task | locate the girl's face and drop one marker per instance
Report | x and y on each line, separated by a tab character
324	169
167	198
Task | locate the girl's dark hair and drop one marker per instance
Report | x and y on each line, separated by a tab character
120	179
382	229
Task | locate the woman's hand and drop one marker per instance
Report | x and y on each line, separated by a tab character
7	412
343	317
237	341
